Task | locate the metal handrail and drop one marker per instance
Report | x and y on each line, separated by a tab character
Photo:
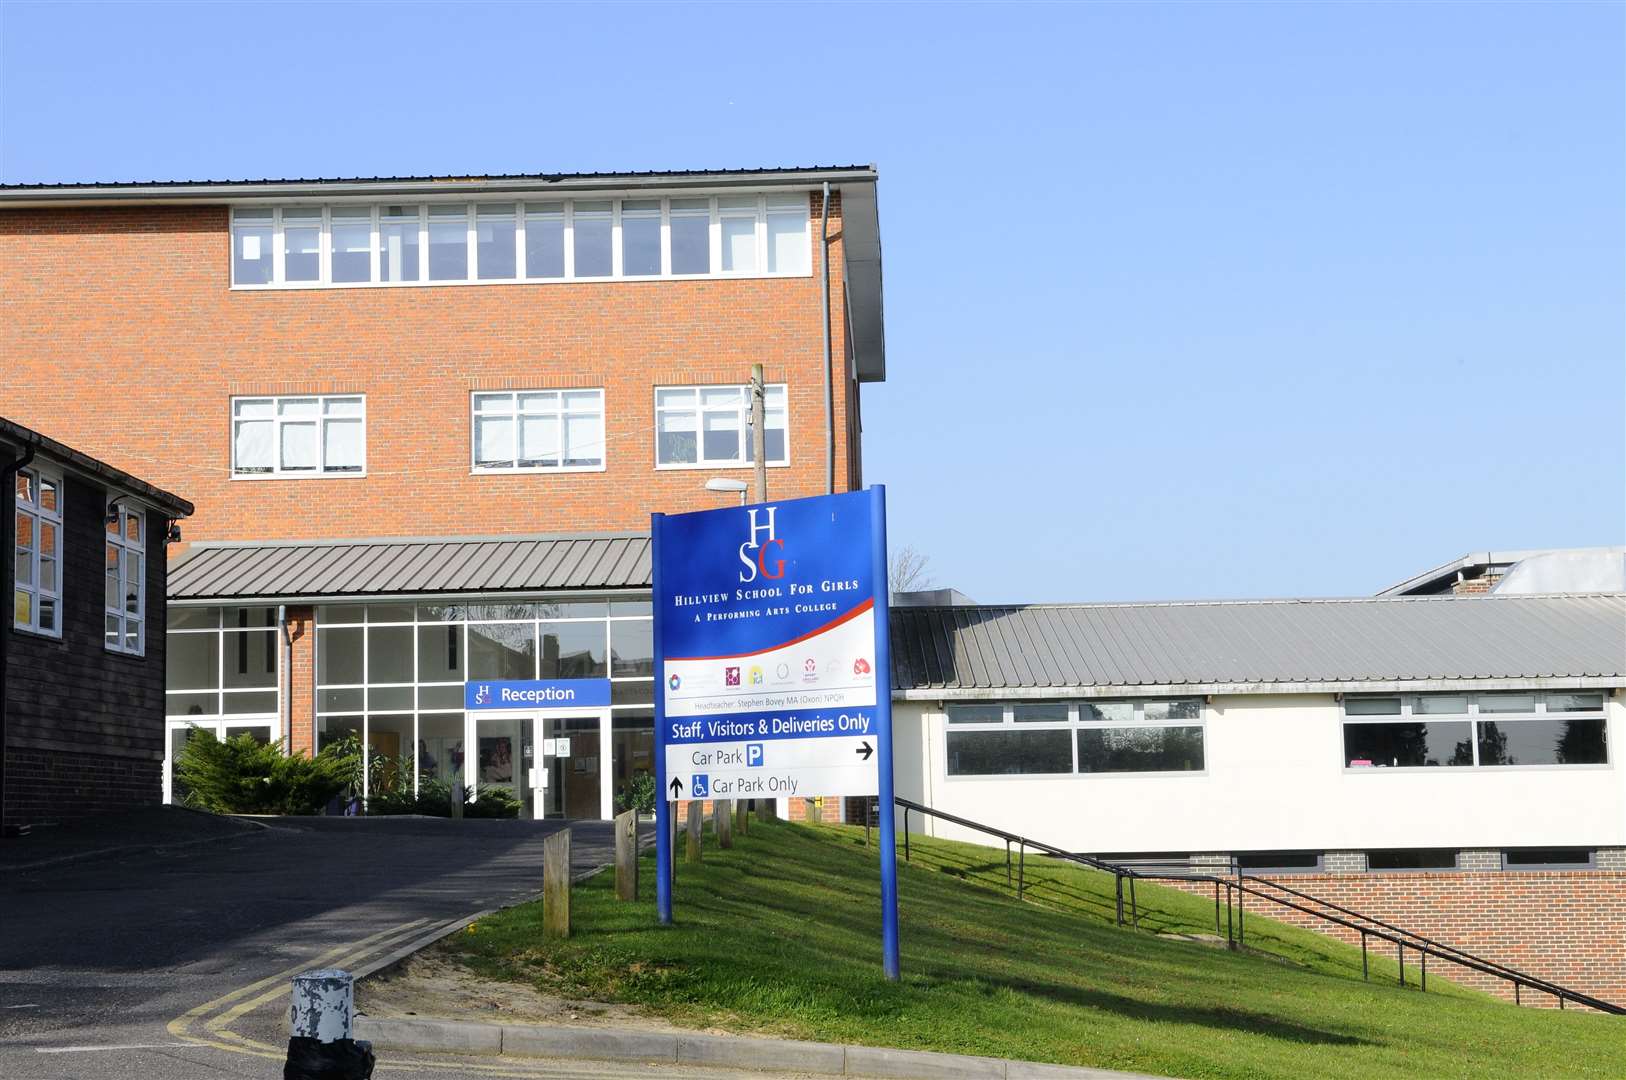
1236	887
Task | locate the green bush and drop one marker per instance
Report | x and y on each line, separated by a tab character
434	799
637	794
245	776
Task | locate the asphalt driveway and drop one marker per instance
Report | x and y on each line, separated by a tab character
108	952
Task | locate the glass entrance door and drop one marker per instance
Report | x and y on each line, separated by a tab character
572	759
503	745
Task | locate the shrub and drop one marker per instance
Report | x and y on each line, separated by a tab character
637	794
245	776
434	799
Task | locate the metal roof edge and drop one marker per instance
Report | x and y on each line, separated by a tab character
1050	693
1329	601
226	545
428	597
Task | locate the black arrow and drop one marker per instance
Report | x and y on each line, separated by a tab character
866	750
677	787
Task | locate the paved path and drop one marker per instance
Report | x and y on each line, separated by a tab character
173	964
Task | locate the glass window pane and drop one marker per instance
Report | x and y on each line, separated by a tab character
1140	749
1440	705
251	254
1408	745
632	648
721	438
389	697
440	697
493	403
502	651
1549	858
584	441
1182	709
1121	712
1007	753
592	247
302	251
242	704
640	245
349	700
739	245
440	749
299	446
495	248
193	618
787	243
493	441
573	650
251	446
1411	859
639	692
390	613
249	659
691	238
1543	742
398	243
1565	703
389	654
675	435
975	714
191	661
342	446
448	246
1383	706
340	613
191	704
545	246
1040	712
440	654
1508	703
338	656
352	256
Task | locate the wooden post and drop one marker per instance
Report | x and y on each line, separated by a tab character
626	855
767	810
742	816
556	885
458	797
722	813
696	819
815	811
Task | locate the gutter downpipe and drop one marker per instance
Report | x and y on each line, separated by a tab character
8	473
285	708
829	394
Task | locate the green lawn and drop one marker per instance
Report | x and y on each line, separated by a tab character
781	936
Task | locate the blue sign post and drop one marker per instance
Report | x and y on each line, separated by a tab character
771	664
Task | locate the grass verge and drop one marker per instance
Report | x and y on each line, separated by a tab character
780	936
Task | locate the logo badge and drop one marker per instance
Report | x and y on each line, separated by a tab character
482	695
860	666
731	676
674	682
756	676
810	670
782	671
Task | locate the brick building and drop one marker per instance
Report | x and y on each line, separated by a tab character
82	657
503	376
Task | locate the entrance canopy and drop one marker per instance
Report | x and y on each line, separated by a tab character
311	571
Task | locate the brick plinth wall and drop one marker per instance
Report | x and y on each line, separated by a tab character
1566	926
48	786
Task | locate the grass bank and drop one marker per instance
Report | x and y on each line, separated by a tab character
780	936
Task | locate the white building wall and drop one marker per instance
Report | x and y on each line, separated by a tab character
1275	781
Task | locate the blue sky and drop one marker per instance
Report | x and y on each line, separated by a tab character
1182	301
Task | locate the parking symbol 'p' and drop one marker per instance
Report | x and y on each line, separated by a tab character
753	753
699	786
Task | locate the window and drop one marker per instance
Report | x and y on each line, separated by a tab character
36	603
538	429
1550	859
710	425
1483	730
1280	862
350	244
125	566
1412	859
298	436
993	739
220	662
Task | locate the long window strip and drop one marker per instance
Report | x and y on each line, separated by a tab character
327	415
1123	729
1477	738
294	246
37	603
124	619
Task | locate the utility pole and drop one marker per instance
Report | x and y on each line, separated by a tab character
758	436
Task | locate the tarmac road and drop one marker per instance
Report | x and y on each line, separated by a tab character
174	965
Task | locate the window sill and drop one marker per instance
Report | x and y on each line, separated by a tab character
43	635
310	286
537	470
256	477
718	466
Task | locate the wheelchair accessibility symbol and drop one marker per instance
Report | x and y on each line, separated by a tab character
699	786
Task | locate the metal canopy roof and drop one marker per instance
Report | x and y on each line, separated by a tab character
371	568
1267	644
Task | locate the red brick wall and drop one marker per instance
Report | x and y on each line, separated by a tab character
122	337
1565	926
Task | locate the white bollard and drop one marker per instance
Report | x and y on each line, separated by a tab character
324	1004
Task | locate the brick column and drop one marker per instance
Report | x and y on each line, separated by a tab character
299	692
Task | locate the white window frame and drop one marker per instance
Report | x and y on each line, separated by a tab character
514	414
1473	717
117	620
743	411
39	515
321	472
519	201
1074	723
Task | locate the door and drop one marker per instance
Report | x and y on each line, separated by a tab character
574	760
504	753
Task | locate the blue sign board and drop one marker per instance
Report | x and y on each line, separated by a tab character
771	667
535	693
